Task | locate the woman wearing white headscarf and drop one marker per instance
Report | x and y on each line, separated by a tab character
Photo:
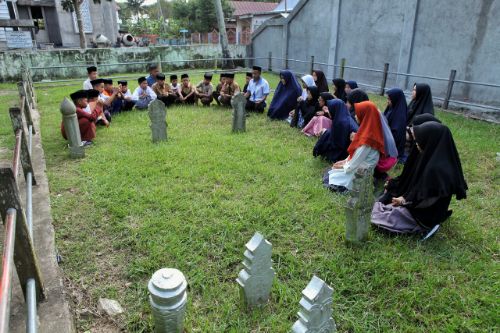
307	81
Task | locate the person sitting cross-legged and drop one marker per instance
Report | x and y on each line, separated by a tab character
218	88
109	97
143	94
125	96
163	91
229	89
86	119
258	90
186	91
204	90
98	84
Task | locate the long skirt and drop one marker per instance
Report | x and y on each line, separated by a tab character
340	177
395	219
316	125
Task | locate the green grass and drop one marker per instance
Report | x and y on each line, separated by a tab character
131	207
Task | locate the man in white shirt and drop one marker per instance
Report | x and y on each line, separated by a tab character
143	94
175	86
257	92
92	75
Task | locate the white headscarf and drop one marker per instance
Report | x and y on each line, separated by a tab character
309	81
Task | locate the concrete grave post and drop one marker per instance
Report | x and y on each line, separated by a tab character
157	115
315	314
72	129
256	278
168	298
359	206
238	103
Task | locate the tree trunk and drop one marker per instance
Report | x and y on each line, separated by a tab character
79	21
223	36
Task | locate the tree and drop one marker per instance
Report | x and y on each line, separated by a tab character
222	31
135	6
74	6
199	15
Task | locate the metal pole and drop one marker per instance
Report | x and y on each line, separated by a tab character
270	62
449	90
312	64
7	263
384	79
31	326
342	67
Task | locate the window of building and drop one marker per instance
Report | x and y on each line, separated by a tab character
37	16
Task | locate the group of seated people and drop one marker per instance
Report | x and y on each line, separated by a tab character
99	100
352	133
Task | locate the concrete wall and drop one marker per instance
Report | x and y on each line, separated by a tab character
271	41
423	37
103	18
72	63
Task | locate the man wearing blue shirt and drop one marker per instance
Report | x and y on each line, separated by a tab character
153	71
257	92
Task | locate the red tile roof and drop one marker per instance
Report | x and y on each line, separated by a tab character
250	7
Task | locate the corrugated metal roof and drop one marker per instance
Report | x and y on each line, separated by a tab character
250	7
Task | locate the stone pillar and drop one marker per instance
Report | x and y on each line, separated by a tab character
157	115
239	114
315	314
70	120
359	206
168	298
256	278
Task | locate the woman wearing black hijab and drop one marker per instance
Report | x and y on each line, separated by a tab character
306	109
320	80
423	202
421	101
339	87
355	96
399	185
395	113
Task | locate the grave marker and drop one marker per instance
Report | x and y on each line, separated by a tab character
359	206
238	103
157	115
168	298
256	278
72	129
315	314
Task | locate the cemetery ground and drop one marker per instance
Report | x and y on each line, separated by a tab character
131	207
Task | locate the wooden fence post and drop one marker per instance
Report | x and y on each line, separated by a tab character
311	65
270	62
384	79
342	67
449	90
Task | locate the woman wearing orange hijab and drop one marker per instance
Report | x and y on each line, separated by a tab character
366	148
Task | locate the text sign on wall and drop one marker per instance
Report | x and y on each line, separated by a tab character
86	21
18	39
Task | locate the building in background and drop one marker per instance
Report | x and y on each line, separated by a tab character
247	17
55	27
